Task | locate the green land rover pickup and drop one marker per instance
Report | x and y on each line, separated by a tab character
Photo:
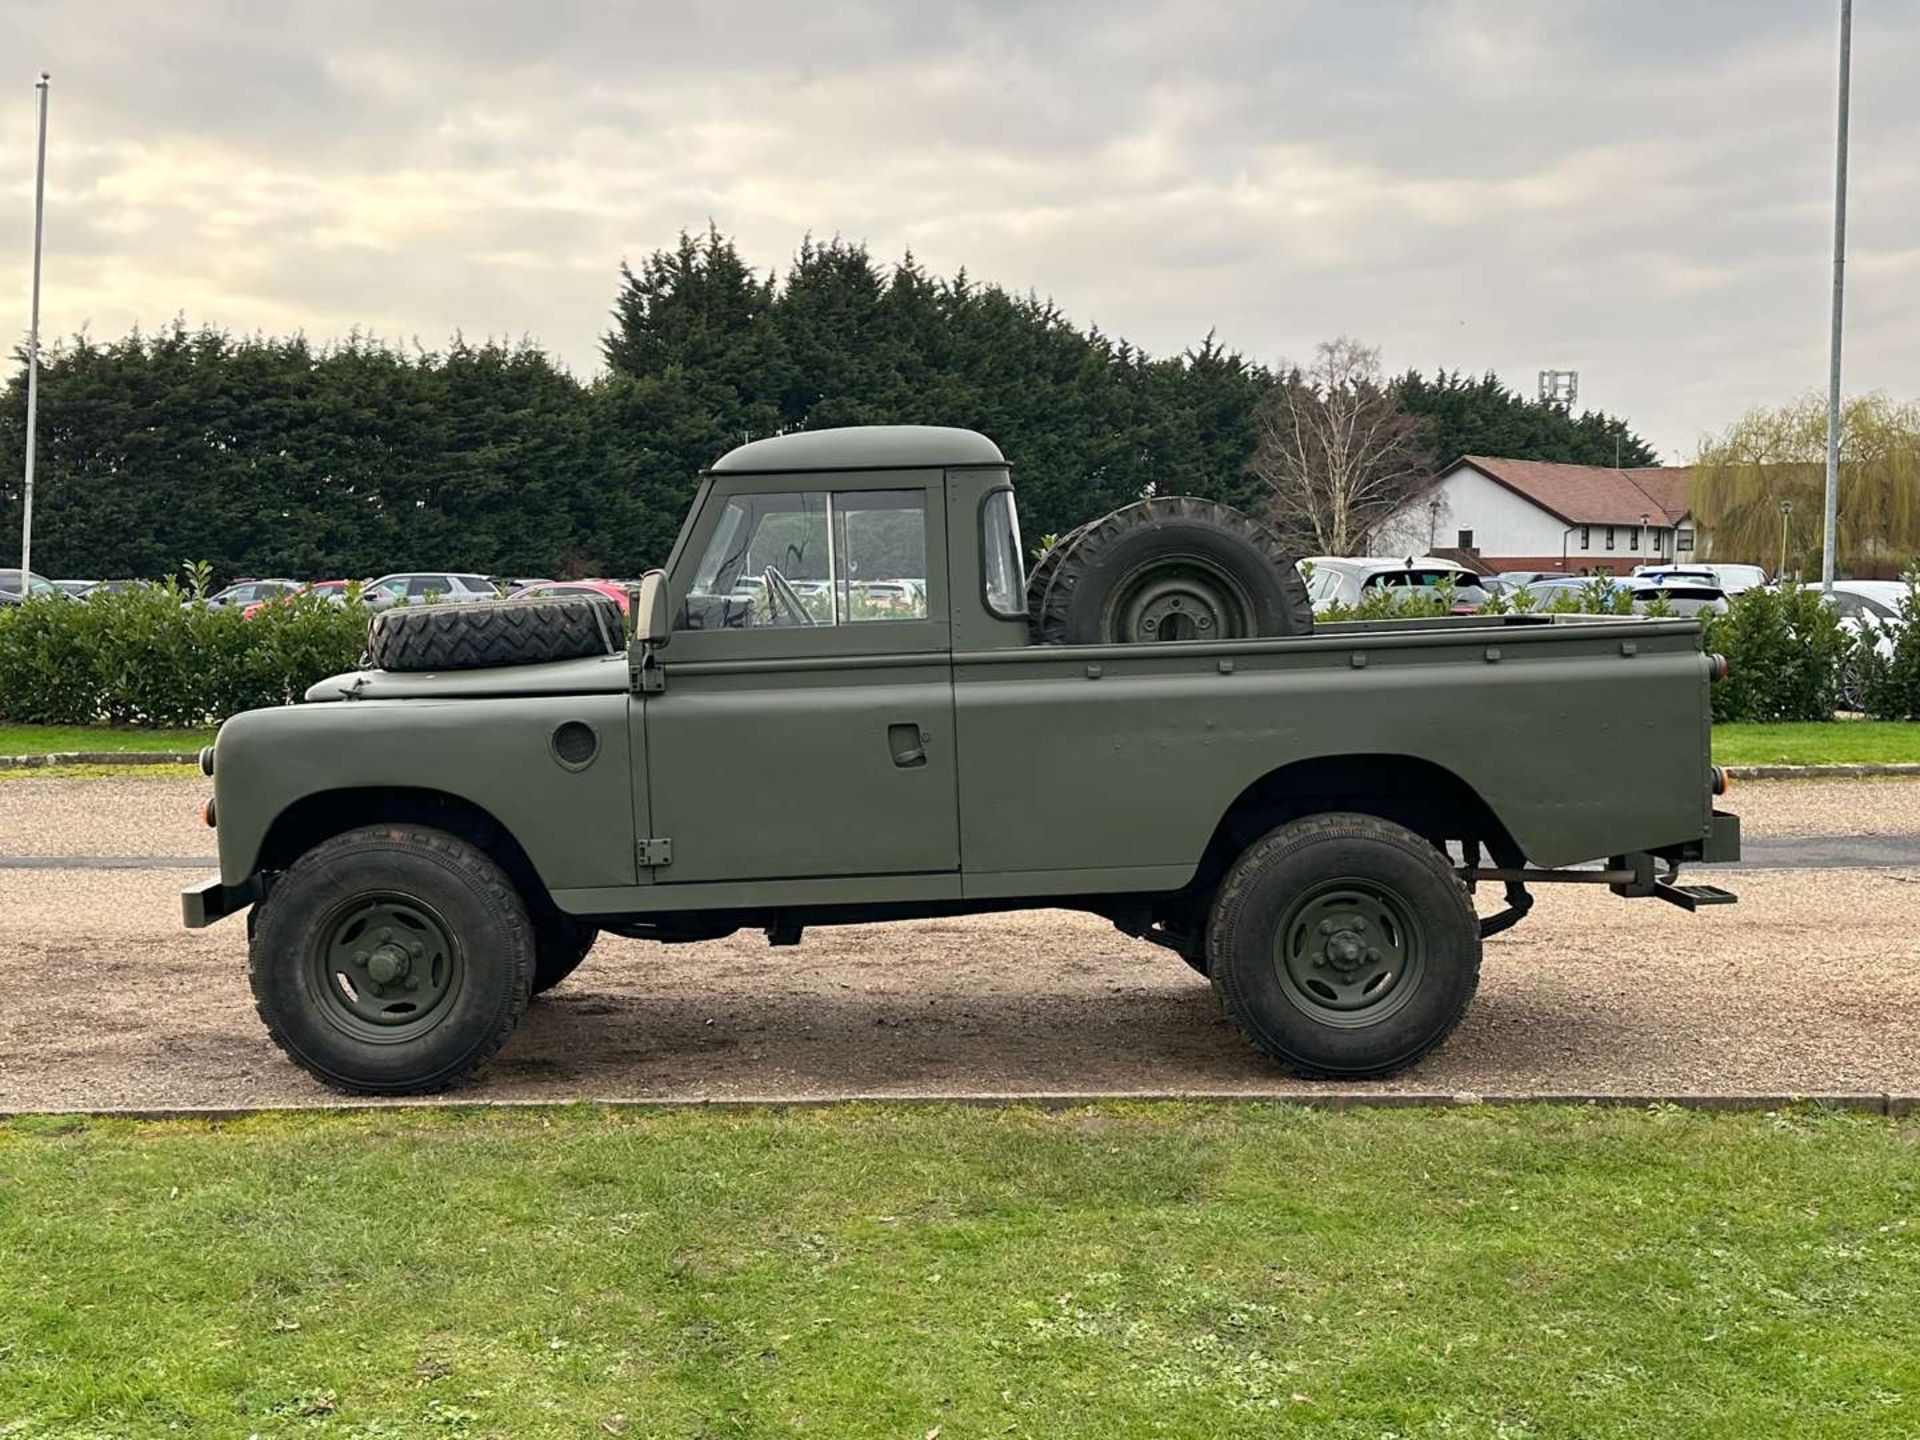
834	706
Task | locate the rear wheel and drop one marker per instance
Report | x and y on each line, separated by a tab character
391	960
1344	946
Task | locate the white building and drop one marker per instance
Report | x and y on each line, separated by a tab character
1537	515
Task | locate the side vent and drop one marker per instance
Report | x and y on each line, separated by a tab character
575	745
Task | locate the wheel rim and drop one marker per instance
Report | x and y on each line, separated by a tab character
385	966
1350	953
1181	597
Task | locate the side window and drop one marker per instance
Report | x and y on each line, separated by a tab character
423	585
812	558
769	563
880	555
1000	555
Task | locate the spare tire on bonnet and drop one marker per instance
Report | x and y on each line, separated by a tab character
1171	568
474	635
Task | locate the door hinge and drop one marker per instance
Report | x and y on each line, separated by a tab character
655	852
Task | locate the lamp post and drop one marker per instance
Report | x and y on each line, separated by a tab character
33	349
1786	509
1839	290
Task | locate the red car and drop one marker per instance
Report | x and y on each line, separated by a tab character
326	589
611	589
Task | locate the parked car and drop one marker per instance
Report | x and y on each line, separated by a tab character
116	587
1732	579
76	588
414	587
1872	609
331	590
37	586
1345	580
243	593
1683	597
540	589
1510	580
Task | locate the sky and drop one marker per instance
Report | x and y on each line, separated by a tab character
1640	190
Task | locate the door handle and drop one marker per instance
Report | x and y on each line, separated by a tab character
908	743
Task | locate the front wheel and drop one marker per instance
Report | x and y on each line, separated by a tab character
1344	946
560	943
392	960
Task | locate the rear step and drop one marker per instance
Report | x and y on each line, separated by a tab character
1692	897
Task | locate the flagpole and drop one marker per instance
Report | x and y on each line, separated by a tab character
33	347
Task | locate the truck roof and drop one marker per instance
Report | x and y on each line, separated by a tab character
862	447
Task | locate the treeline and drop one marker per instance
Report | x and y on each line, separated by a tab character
276	456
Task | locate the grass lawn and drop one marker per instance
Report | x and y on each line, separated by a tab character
1841	742
1127	1270
96	772
44	739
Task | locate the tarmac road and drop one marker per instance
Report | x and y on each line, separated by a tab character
1810	985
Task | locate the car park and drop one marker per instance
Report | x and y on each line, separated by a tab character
1347	580
1146	727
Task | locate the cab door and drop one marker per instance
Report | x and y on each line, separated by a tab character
805	726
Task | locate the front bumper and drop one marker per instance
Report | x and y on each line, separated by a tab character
210	900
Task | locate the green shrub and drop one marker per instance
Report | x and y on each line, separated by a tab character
148	658
1787	655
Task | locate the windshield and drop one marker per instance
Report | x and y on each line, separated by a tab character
1006	578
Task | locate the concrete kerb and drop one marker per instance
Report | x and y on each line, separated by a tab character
1821	772
102	757
1892	1106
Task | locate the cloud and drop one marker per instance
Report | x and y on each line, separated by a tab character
1638	190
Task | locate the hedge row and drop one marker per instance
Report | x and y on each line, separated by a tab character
149	657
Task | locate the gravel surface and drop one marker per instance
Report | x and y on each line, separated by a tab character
1810	984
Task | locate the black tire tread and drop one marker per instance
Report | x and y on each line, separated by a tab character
560	944
1297	835
1058	576
456	855
474	635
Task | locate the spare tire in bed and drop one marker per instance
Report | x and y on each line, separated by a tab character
474	635
1171	568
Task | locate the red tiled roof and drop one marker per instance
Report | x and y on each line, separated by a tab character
1591	494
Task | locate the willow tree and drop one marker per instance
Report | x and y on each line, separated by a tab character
1759	489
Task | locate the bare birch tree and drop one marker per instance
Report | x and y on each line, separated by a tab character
1336	449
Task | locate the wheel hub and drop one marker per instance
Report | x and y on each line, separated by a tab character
1179	598
1349	953
387	961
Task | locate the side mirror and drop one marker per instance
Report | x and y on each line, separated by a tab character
648	601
